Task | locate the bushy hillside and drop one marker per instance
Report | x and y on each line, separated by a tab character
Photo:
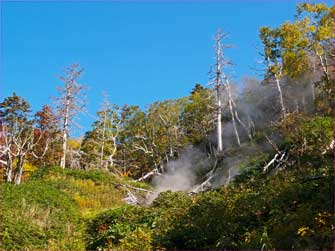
230	166
50	209
281	208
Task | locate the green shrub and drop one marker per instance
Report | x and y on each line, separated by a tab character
36	214
307	135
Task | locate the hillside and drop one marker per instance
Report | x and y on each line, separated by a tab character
287	207
50	210
230	165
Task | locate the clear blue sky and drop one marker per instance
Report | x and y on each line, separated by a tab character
138	52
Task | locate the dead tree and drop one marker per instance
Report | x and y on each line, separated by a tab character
17	143
221	82
105	108
218	84
70	102
232	107
108	132
280	159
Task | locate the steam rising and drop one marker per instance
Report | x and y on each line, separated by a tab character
258	106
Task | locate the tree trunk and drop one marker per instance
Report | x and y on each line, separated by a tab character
304	103
283	110
219	126
63	159
65	127
234	123
19	170
103	139
9	169
230	102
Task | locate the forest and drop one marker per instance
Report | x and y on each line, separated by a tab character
230	166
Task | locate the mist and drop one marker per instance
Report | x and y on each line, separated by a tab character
258	107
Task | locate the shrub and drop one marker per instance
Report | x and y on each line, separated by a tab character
35	214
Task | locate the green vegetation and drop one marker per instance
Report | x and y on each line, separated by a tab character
292	209
49	210
269	187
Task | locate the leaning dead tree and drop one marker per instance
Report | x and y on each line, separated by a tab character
131	198
279	160
70	102
206	183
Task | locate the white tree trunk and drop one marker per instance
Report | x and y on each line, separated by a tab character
65	126
64	146
283	110
219	126
234	122
9	168
230	102
103	139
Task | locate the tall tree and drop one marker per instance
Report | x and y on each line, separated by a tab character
70	102
100	145
273	60
319	30
221	81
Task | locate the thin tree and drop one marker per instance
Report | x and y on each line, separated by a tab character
108	128
70	102
220	82
273	60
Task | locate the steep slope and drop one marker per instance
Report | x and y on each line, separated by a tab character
287	206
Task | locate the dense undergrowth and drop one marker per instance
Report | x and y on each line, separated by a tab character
282	212
292	208
279	209
50	209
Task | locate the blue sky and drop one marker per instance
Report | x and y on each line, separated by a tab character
138	52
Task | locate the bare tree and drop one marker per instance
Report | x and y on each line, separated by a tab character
102	140
103	136
221	82
18	137
70	102
17	143
218	84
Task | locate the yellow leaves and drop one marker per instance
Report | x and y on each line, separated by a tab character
311	8
325	33
295	62
126	173
288	45
74	143
293	35
303	231
139	239
85	202
322	219
28	170
248	237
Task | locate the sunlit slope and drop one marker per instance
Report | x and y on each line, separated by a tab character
50	209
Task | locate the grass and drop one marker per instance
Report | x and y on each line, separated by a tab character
50	209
